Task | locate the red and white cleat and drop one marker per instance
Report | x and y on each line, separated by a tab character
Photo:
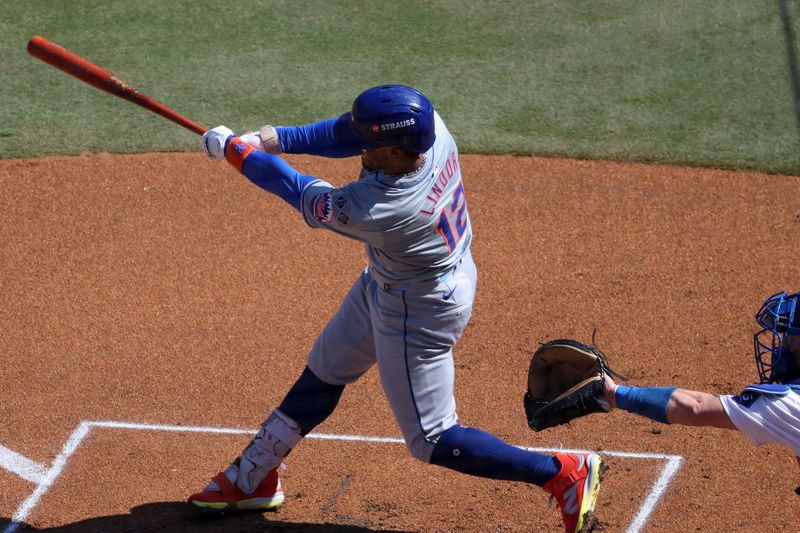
230	499
575	488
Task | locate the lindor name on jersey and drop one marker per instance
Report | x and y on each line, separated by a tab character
440	183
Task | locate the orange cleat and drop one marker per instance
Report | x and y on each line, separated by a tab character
575	488
230	499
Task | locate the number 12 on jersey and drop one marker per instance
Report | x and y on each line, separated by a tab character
454	219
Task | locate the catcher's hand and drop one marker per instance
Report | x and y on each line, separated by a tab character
565	382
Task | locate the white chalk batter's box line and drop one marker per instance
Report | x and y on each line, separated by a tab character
44	477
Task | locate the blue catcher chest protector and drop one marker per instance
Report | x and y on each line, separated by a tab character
779	318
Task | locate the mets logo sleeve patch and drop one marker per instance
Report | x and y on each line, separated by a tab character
336	210
322	207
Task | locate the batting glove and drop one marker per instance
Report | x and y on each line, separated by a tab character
215	140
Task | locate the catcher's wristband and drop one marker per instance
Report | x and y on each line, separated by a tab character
650	402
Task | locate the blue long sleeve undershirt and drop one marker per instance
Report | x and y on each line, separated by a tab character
329	138
274	175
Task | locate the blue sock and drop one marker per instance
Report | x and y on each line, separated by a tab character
475	452
650	402
310	401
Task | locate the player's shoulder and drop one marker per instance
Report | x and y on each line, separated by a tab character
768	391
370	203
440	127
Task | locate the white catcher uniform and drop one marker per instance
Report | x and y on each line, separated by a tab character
409	307
767	414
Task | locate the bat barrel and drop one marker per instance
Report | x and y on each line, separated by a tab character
102	79
73	64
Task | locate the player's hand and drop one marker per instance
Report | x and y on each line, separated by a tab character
214	141
266	140
609	389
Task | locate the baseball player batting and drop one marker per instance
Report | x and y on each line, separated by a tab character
404	313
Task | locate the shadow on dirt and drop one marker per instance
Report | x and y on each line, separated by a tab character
175	516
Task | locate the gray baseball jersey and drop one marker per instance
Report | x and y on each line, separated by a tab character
416	227
409	307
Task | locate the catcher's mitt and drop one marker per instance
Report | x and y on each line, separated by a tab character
565	382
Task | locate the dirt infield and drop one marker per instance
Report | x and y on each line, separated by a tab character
155	308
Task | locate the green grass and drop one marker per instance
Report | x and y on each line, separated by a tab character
669	81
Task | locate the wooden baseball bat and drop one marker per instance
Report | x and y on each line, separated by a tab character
96	76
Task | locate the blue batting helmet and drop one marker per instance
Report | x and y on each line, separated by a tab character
779	318
396	116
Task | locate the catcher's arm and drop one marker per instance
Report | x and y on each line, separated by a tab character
669	405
